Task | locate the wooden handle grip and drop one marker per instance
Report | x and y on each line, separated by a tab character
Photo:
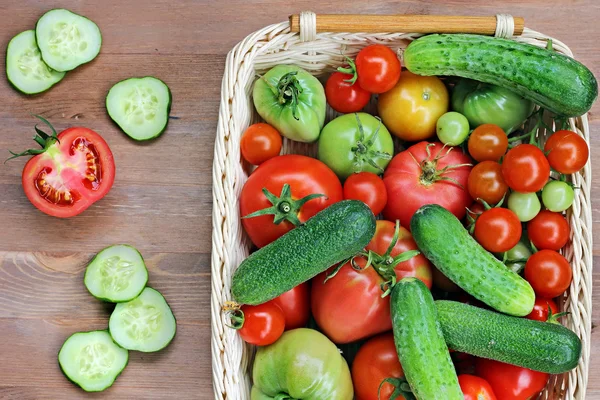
405	23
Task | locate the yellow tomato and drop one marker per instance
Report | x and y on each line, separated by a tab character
411	109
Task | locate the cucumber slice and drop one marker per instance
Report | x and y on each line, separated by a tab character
92	360
140	106
118	273
25	69
66	39
145	323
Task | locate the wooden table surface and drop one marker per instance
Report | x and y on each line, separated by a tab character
161	200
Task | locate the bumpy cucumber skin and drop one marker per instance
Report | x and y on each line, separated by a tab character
420	343
554	81
536	345
334	234
446	243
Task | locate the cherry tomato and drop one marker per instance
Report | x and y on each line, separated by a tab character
525	168
548	230
295	305
487	142
567	152
510	382
486	182
558	196
549	273
262	325
540	309
368	188
475	388
475	210
525	205
260	143
498	230
343	96
378	68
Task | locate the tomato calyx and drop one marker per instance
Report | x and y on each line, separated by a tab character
429	171
42	138
234	311
363	152
553	318
284	396
401	388
351	70
287	91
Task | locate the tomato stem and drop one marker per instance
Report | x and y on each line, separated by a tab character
289	90
42	138
351	70
401	389
363	152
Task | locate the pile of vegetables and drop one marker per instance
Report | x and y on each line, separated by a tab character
439	261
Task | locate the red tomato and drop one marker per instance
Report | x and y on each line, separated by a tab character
525	168
567	152
487	142
378	68
548	230
426	173
262	324
343	96
76	170
549	273
295	305
305	176
486	182
510	382
540	309
498	230
260	143
475	210
349	306
475	388
368	188
375	361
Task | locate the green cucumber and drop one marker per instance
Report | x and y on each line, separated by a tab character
420	343
446	243
541	346
552	80
337	233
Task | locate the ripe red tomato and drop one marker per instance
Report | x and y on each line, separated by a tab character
335	307
376	361
567	152
260	143
343	96
498	230
549	273
262	325
540	309
475	388
368	188
305	176
378	68
426	173
487	142
525	168
548	230
510	382
295	305
486	182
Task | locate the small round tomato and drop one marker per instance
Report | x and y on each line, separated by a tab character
548	230
368	188
498	230
558	196
452	128
510	382
345	96
475	388
525	168
378	68
486	182
475	210
487	142
541	308
295	305
516	257
260	143
260	325
567	152
525	205
549	273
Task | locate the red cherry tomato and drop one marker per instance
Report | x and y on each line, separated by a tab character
510	382
540	309
549	273
548	230
475	210
368	188
295	305
343	96
262	324
378	68
498	230
487	142
486	182
475	388
260	142
567	152
525	168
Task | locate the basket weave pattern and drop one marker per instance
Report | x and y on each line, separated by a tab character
320	54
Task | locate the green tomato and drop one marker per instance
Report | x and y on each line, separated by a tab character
452	128
516	257
355	143
293	101
557	196
483	103
302	364
525	205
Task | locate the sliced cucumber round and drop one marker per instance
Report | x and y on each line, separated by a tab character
140	106
92	360
25	69
118	273
145	323
66	39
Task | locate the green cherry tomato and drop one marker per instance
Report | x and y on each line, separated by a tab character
525	205
452	128
557	196
516	257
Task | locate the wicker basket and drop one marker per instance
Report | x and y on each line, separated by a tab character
320	53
